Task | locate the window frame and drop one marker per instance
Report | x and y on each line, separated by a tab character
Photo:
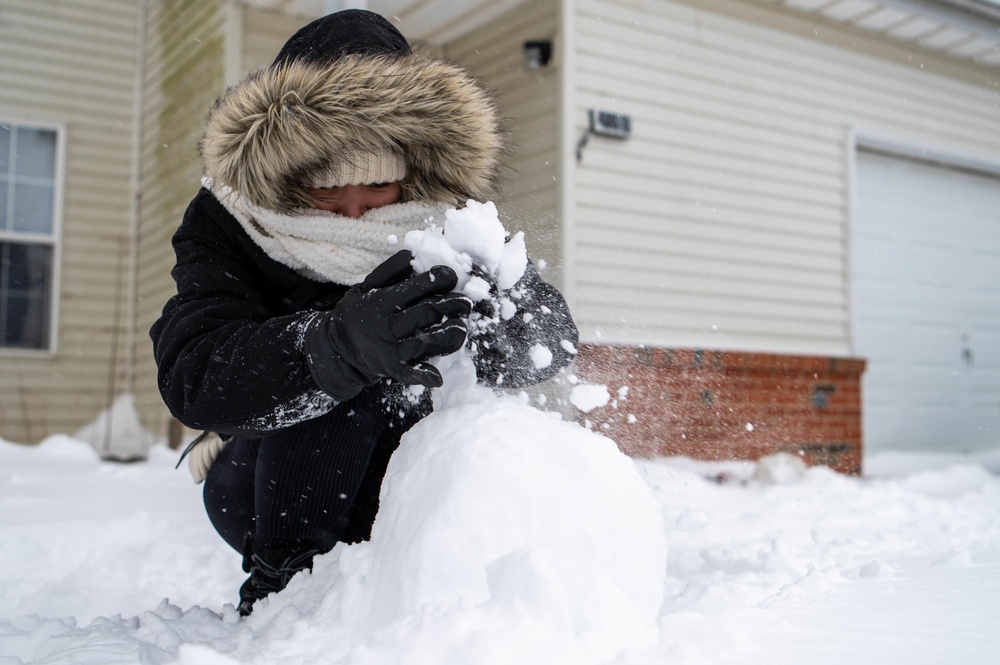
53	239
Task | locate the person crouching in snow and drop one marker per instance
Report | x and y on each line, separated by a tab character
297	327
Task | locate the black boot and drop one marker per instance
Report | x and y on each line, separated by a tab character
271	566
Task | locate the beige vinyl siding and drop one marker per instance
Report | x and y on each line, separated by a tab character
185	72
530	103
189	48
70	64
264	33
723	221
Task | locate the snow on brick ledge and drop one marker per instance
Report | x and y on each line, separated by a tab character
716	405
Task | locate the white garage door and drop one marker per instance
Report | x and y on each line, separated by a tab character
926	274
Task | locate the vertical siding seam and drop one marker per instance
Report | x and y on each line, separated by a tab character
567	149
135	202
850	247
235	23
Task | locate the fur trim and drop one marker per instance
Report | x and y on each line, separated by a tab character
266	136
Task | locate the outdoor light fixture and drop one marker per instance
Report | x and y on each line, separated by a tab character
607	124
610	125
537	54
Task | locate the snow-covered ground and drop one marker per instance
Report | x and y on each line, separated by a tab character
109	563
507	535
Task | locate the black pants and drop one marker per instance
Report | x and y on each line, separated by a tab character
316	481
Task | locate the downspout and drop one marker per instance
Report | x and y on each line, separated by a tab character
131	295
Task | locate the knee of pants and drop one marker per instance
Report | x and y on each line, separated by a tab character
229	492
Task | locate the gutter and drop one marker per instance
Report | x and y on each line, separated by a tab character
977	8
976	16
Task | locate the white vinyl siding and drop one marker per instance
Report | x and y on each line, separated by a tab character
529	102
723	221
70	65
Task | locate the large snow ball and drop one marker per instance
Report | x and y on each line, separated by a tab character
497	503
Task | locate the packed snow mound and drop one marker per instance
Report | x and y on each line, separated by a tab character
117	433
549	538
780	469
534	539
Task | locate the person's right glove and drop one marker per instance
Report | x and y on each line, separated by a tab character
387	327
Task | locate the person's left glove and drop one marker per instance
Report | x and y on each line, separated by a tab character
490	349
387	327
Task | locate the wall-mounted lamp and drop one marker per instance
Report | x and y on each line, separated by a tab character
537	54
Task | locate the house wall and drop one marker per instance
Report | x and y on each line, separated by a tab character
530	104
708	256
194	50
723	221
264	33
185	72
71	63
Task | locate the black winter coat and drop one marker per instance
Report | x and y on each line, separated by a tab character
229	345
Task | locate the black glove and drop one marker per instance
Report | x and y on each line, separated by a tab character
489	350
386	327
503	347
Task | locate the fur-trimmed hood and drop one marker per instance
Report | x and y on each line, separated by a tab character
268	133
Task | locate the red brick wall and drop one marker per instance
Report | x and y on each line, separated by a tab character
716	405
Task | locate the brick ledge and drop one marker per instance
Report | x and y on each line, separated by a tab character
712	404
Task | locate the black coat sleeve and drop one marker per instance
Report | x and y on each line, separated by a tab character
527	341
225	361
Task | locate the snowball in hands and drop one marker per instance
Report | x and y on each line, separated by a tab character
471	236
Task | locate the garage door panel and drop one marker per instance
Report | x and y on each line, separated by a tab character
985	343
924	426
983	422
931	349
879	338
982	271
926	274
879	257
931	267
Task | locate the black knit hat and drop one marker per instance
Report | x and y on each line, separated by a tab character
352	31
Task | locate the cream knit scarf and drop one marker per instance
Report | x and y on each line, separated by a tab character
327	247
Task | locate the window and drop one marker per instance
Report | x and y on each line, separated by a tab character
28	195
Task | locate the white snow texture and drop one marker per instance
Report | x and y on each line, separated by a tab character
507	535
